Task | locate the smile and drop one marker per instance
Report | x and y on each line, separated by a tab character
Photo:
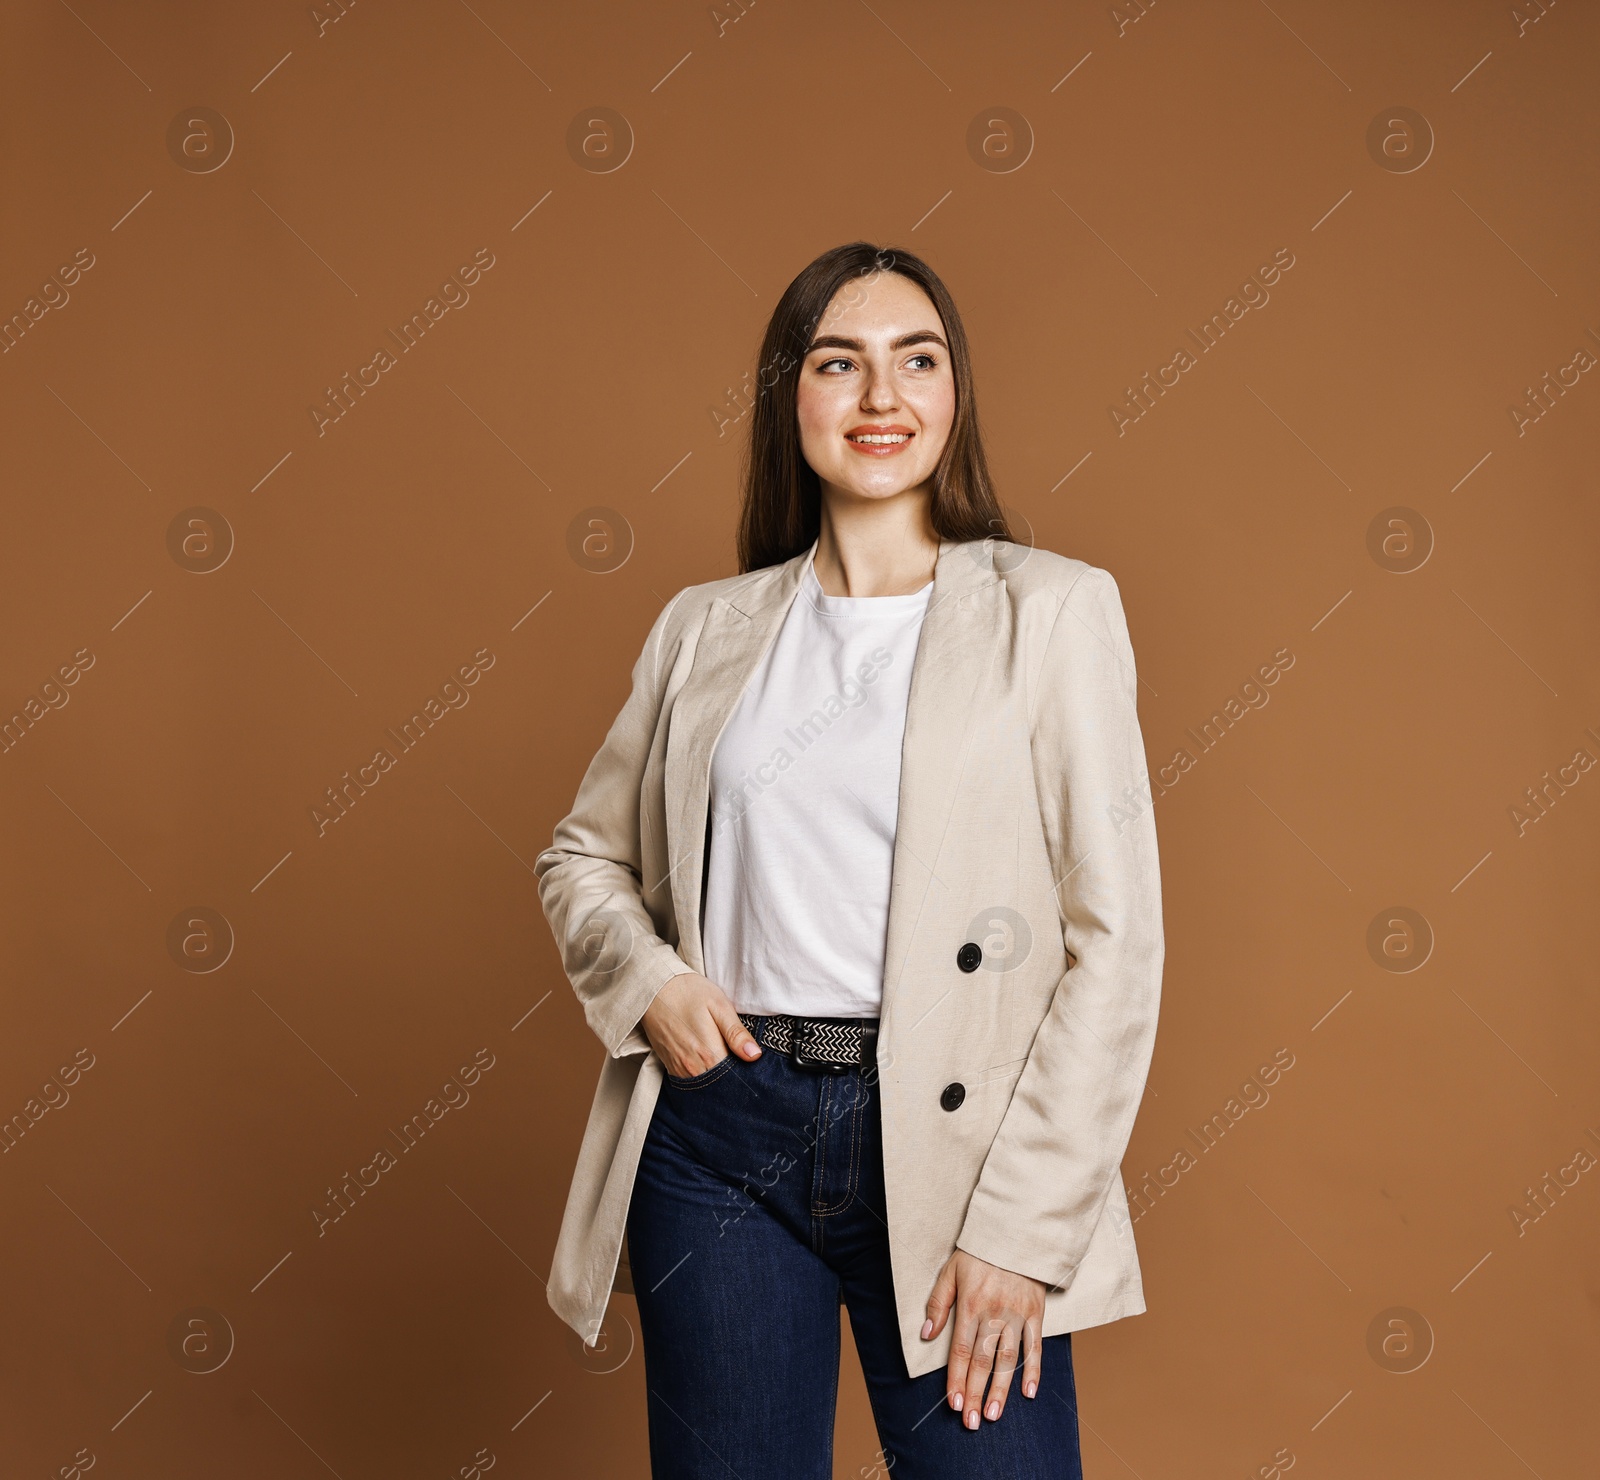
878	444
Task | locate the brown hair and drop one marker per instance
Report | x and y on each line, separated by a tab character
782	494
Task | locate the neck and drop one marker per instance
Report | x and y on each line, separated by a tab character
875	547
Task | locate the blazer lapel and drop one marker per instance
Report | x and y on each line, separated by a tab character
738	630
954	655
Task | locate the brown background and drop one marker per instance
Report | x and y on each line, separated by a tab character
1171	155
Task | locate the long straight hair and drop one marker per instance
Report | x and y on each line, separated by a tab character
782	494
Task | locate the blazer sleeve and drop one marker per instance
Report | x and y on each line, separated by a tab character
590	878
1050	1168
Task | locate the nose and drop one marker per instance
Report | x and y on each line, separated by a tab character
880	394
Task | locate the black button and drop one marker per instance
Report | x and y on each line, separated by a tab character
969	957
953	1095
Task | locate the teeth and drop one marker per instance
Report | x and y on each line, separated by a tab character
878	439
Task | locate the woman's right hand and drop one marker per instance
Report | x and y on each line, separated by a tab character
692	1026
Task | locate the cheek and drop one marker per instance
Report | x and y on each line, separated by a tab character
935	406
818	413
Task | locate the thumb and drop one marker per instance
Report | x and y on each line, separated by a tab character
734	1032
939	1303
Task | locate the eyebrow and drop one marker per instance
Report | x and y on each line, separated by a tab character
917	336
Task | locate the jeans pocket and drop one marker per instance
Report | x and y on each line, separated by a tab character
701	1081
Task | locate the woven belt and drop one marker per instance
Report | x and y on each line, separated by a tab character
829	1045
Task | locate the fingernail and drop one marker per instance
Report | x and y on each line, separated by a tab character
955	1401
927	1328
993	1411
751	1051
1029	1389
972	1419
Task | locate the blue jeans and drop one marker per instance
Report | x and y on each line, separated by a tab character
759	1203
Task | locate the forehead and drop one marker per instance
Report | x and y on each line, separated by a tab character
881	303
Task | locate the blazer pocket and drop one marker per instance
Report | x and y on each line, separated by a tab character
1003	1073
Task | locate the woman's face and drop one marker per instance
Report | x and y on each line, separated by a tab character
876	397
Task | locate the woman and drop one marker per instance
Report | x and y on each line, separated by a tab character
861	895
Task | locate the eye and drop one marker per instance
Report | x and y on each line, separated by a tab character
932	363
826	363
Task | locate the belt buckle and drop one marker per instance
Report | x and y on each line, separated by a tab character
800	1037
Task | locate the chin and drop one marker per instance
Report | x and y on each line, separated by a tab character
878	492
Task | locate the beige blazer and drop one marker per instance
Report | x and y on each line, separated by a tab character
1025	826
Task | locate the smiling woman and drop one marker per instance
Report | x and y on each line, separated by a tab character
799	412
767	936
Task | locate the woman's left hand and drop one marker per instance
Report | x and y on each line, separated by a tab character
997	1314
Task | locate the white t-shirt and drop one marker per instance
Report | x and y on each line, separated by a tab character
805	796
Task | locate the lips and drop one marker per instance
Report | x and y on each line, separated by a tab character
879	440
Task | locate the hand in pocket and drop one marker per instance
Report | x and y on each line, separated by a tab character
692	1027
